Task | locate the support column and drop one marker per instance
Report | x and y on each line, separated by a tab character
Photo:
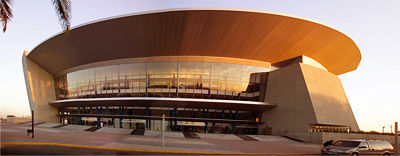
120	119
130	111
106	113
206	123
170	121
223	115
192	114
147	120
213	124
98	118
79	118
176	122
234	124
68	117
112	119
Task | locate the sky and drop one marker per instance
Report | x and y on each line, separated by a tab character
373	89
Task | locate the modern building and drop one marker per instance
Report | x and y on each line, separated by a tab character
206	69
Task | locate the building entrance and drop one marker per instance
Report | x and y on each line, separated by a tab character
177	119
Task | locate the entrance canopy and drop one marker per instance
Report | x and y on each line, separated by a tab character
167	102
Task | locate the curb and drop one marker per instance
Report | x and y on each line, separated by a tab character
155	151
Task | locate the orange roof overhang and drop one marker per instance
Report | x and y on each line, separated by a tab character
235	33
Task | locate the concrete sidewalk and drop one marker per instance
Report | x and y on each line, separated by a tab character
174	141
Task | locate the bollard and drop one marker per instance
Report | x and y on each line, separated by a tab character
33	123
162	129
396	138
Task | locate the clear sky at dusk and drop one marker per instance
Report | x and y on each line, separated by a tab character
373	89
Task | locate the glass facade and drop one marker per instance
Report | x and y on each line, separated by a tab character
204	80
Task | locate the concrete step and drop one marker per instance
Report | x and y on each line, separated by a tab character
246	137
138	132
48	125
190	135
59	126
92	129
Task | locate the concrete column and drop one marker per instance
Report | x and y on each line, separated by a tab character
206	123
147	120
170	121
130	113
68	120
234	124
98	118
112	119
213	124
177	79
120	119
147	80
193	116
106	113
176	122
79	118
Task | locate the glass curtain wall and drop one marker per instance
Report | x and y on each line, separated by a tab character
204	80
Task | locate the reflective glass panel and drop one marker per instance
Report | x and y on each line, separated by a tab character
206	80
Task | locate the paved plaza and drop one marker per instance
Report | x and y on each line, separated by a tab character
115	138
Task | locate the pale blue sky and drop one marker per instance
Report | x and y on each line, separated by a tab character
374	25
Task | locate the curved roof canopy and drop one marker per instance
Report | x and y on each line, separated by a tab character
245	34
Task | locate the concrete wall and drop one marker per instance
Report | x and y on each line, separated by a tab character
328	98
287	89
305	136
40	88
335	136
18	119
321	137
305	95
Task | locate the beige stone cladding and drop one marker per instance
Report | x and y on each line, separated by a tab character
40	87
305	95
328	98
287	89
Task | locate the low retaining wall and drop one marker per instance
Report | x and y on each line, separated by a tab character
334	136
18	119
321	137
304	136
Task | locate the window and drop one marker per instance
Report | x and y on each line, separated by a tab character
165	79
